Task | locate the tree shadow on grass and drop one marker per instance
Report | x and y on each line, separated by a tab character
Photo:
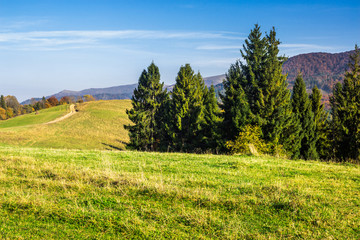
113	147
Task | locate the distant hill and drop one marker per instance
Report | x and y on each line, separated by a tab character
110	93
117	92
321	69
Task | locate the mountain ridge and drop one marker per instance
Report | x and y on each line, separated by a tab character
319	68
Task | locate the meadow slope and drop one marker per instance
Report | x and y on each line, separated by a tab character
97	125
92	194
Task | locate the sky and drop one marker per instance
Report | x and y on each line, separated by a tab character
47	46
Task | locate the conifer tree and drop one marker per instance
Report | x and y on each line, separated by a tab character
336	100
278	125
321	122
254	54
164	119
146	102
2	102
260	86
212	119
345	104
235	105
302	109
187	110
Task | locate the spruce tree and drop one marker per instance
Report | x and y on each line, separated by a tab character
254	53
345	104
211	139
336	100
261	89
322	134
302	109
2	102
278	125
235	107
146	102
187	110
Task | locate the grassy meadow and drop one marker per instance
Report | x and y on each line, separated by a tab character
97	125
28	120
93	194
58	181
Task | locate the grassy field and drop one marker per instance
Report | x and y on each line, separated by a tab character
28	120
92	194
98	125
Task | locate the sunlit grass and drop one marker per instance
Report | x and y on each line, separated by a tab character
62	194
98	125
28	120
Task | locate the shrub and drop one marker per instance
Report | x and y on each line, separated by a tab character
2	114
248	142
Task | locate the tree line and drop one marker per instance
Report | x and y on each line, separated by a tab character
10	107
256	113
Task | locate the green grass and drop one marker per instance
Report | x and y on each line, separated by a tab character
98	125
92	194
43	116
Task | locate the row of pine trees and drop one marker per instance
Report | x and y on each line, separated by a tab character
256	96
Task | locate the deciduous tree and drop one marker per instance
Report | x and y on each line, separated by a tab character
53	101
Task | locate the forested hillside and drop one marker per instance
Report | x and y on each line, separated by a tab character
321	69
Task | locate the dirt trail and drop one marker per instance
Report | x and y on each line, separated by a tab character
72	112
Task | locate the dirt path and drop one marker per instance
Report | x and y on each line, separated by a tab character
72	112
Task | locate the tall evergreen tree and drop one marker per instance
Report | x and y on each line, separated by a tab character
254	53
2	102
302	109
335	124
187	110
146	102
211	139
345	104
322	125
278	125
235	107
260	86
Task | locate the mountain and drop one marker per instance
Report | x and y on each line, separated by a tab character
321	69
117	92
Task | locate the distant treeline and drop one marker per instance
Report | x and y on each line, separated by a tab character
10	107
257	113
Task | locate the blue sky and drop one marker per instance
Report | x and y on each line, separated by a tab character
48	46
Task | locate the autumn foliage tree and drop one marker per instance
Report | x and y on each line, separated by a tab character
53	101
88	98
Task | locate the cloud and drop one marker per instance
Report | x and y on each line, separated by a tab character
50	40
218	47
293	49
304	46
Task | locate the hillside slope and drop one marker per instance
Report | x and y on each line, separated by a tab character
98	125
27	120
321	69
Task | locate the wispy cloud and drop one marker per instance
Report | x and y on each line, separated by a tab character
305	46
292	49
91	38
218	47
